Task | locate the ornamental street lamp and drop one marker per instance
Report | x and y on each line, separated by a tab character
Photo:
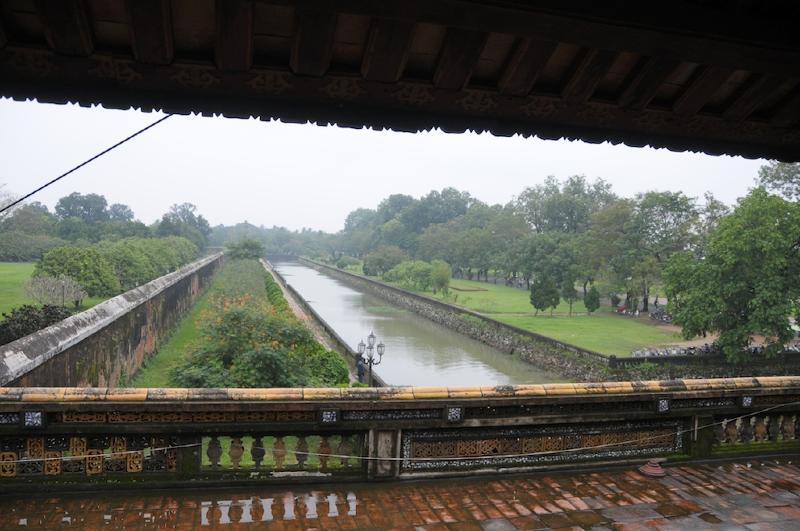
370	349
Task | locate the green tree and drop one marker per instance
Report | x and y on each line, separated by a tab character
748	283
440	276
120	212
246	249
383	259
88	266
544	294
592	299
782	178
568	291
91	208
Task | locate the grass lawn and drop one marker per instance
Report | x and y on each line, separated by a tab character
12	286
496	298
12	279
602	332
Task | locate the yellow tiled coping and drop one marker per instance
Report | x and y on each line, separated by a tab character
85	394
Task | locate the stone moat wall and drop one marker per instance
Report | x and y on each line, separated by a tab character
546	353
105	345
333	337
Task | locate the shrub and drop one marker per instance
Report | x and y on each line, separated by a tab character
347	261
28	319
263	367
86	265
440	276
247	248
275	296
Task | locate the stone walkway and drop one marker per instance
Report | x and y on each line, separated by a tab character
743	495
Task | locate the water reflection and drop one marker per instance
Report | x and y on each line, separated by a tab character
418	351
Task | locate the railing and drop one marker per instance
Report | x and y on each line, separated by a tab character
68	437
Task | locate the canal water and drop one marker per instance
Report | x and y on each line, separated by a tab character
418	351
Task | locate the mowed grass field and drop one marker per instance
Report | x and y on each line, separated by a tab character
13	276
12	284
603	331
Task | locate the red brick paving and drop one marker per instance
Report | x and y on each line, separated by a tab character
751	497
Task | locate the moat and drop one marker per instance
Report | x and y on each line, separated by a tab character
418	351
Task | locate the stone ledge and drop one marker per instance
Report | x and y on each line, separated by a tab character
619	389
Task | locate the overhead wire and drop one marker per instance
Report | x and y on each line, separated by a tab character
82	164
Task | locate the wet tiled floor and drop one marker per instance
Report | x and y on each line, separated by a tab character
744	495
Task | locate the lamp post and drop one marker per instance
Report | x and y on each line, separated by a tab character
370	349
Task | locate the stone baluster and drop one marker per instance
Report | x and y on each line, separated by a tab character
760	433
731	432
236	451
324	451
301	452
214	451
279	452
257	451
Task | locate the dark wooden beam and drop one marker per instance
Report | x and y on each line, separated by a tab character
754	95
591	69
646	81
460	52
788	114
3	37
234	38
151	31
66	26
702	87
714	36
313	42
523	68
387	50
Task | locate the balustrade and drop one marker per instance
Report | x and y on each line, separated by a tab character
68	436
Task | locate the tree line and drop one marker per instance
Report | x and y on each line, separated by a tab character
30	230
573	233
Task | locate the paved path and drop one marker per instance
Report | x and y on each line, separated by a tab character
743	496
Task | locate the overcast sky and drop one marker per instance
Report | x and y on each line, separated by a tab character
270	173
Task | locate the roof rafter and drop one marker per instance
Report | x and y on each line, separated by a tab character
386	50
66	26
151	30
525	65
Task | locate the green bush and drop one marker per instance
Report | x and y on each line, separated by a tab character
275	295
87	265
247	248
28	319
111	267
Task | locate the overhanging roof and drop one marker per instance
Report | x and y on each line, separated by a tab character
706	75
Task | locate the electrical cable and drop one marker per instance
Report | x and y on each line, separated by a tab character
82	164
